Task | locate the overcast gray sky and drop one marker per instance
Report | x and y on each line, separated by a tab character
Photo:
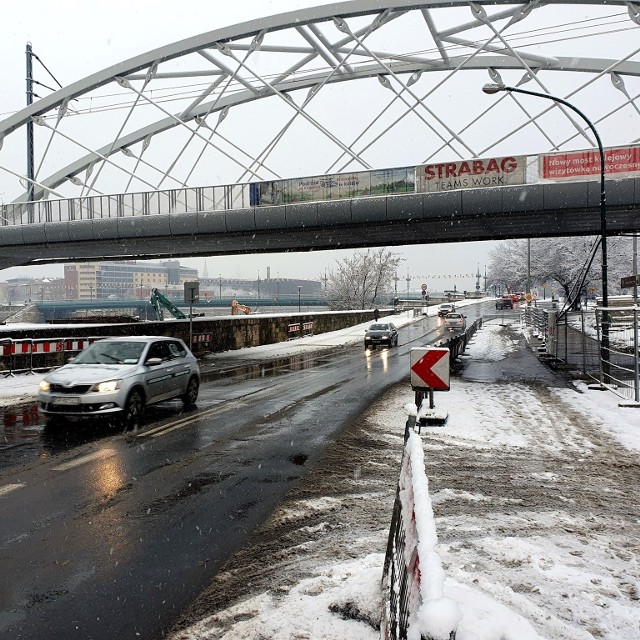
76	38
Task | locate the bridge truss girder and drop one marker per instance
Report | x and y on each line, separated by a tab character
286	64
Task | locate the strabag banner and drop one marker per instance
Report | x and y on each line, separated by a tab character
582	165
471	174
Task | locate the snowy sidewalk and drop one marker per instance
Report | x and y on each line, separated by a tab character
535	497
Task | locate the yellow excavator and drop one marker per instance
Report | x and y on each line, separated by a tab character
237	308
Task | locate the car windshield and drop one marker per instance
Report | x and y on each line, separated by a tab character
379	327
104	352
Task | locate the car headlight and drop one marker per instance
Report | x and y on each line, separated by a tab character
44	386
108	386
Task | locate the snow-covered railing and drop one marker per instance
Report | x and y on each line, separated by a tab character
413	578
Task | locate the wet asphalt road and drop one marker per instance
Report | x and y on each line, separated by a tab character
106	534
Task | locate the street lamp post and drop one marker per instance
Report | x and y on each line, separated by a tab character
299	289
604	344
220	285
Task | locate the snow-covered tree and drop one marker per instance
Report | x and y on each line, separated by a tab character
362	280
559	263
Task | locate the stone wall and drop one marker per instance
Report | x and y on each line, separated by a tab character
210	335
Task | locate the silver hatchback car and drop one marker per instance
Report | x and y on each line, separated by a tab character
118	377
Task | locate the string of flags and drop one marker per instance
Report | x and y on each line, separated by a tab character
447	276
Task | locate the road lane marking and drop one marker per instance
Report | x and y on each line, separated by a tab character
90	457
183	422
218	409
8	488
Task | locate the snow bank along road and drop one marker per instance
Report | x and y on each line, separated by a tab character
536	505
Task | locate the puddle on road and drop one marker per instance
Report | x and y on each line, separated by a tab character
20	424
269	369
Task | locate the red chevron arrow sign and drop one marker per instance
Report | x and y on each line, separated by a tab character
430	368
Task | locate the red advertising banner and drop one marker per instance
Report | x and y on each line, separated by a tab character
578	165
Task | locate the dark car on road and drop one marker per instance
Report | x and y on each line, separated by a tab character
504	303
384	334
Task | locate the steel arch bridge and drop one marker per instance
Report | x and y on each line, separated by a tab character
341	87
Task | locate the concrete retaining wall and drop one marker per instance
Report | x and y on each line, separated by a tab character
210	335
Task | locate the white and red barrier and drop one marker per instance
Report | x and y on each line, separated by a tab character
29	348
413	578
299	329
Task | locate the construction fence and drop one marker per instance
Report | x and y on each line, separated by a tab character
601	342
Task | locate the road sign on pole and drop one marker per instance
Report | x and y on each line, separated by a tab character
430	368
191	295
629	281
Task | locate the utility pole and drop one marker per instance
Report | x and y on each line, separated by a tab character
635	267
30	162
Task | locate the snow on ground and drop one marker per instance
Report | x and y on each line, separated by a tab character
534	490
535	506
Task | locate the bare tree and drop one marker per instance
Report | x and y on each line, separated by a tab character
361	280
558	261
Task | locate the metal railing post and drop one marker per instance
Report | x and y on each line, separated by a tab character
584	344
636	355
598	320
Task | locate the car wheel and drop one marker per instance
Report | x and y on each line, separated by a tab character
133	409
191	394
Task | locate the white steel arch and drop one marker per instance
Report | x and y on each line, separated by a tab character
345	86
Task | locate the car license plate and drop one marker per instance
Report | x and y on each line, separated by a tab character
67	400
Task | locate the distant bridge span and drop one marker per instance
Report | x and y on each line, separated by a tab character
523	211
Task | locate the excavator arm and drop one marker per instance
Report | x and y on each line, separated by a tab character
158	301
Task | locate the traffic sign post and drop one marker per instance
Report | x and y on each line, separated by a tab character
429	372
191	295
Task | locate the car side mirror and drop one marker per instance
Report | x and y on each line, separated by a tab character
153	362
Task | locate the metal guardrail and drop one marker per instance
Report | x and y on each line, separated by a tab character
216	198
458	343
